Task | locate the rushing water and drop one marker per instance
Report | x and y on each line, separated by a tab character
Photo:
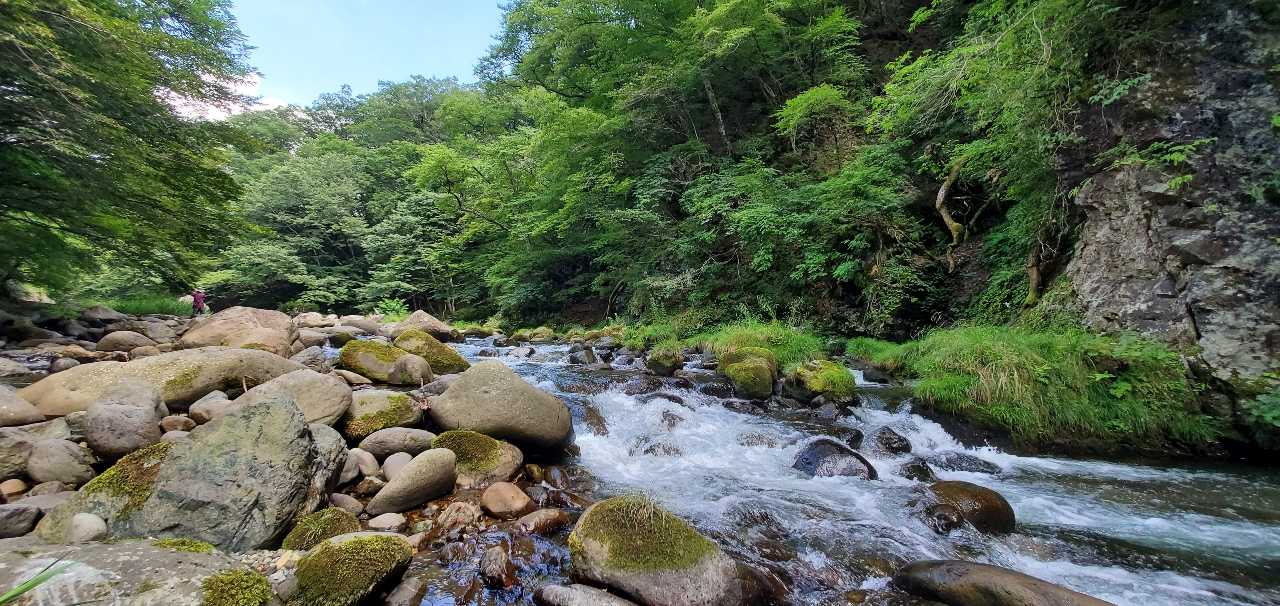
1131	534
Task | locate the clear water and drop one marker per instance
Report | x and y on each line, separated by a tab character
1130	534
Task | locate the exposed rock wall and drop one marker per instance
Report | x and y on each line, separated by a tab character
1197	266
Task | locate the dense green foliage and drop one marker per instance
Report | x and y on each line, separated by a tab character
93	156
1046	387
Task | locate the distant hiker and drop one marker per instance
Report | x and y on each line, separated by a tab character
197	303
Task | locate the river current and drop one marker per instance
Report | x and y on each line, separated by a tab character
1129	533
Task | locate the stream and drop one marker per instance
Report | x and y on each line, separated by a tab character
1129	533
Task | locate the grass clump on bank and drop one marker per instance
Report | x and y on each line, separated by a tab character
789	346
144	306
1049	386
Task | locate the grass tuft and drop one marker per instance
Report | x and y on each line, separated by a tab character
143	306
790	347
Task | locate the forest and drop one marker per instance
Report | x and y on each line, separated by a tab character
850	169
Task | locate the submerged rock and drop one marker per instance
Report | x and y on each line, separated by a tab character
635	547
491	399
963	461
825	457
891	441
984	508
971	584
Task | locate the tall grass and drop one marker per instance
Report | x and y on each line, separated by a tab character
791	347
143	306
1049	386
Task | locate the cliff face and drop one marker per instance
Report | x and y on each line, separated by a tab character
1195	264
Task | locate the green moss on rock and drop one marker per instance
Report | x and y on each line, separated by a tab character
131	477
349	358
240	587
751	378
321	525
665	358
475	451
399	411
192	545
442	358
343	574
640	536
750	354
822	378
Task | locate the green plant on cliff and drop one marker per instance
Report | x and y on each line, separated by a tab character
1263	415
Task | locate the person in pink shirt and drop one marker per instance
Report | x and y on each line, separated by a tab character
197	304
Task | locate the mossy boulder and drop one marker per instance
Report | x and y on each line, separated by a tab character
633	546
342	570
492	399
240	587
665	359
411	370
758	355
181	376
822	378
542	334
321	525
373	410
424	322
371	359
481	459
113	496
442	358
751	379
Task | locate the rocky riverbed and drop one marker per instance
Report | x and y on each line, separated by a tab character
251	457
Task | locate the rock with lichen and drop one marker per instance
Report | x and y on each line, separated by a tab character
235	483
239	587
822	378
633	546
324	524
374	360
324	398
492	399
374	410
442	358
482	460
342	570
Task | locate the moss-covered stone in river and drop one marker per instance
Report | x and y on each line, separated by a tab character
750	354
375	410
822	378
239	587
371	359
640	536
475	451
321	525
751	379
443	359
343	570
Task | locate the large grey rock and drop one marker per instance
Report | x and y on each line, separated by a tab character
17	519
9	368
425	322
245	327
430	475
491	399
132	391
123	340
236	482
373	410
360	322
961	583
577	595
152	329
136	573
211	407
182	377
114	430
323	398
365	561
102	314
16	444
16	411
48	502
698	573
410	370
312	338
826	457
329	453
59	461
386	442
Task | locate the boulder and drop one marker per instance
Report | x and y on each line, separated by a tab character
211	407
506	501
157	331
542	521
138	573
388	522
372	410
123	341
329	457
425	322
347	503
48	502
826	457
351	378
583	355
17	519
244	328
962	461
323	398
182	377
410	370
481	460
371	359
12	489
9	368
961	583
428	476
755	355
365	462
665	361
44	488
442	358
577	595
236	482
313	319
85	527
458	513
16	444
62	364
891	441
984	508
325	524
170	436
633	546
15	411
312	338
386	442
491	399
496	569
917	469
132	391
115	430
59	461
342	570
360	322
751	379
822	378
395	464
101	314
177	423
313	357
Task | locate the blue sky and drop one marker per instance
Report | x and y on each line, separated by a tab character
309	47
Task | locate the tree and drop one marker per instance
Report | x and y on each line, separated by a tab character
93	155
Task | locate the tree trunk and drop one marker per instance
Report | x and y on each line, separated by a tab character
715	107
957	230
